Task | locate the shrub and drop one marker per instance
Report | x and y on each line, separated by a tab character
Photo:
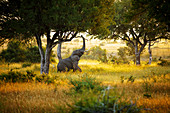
130	79
164	63
18	52
122	51
26	65
96	53
45	78
32	54
12	76
107	102
85	82
14	52
147	86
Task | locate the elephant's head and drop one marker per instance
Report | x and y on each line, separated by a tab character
81	51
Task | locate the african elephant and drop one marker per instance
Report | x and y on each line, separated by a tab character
72	61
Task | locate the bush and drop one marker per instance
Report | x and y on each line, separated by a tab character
14	52
85	82
122	52
18	52
45	78
96	53
26	65
12	76
164	63
129	79
32	54
107	102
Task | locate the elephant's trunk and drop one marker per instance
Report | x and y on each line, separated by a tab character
84	45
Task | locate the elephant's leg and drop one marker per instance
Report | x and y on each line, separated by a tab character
61	67
75	66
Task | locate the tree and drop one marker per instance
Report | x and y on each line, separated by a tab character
14	52
150	43
158	9
25	19
137	32
122	51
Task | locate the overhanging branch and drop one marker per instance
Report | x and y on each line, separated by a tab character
63	40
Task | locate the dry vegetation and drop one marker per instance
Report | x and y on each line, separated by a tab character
148	85
41	97
160	49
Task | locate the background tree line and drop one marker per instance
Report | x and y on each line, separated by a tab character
135	21
28	19
19	52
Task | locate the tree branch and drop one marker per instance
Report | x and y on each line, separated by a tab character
73	36
153	43
127	39
55	36
63	40
68	35
54	44
164	37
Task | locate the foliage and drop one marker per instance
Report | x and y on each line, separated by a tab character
14	52
18	52
158	10
32	54
85	82
45	78
13	76
122	54
164	63
16	76
40	96
137	32
96	53
113	59
26	65
107	102
147	86
129	79
150	80
25	19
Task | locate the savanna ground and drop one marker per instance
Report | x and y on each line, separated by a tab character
147	86
42	97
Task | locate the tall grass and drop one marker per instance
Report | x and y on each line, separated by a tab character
42	97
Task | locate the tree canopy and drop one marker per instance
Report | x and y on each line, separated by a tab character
158	9
24	19
137	32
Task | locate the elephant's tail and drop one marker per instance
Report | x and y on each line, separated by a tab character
59	51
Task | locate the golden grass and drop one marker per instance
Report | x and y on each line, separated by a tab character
40	97
31	97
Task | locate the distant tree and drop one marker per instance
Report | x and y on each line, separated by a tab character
137	32
66	18
14	52
131	51
19	52
150	51
122	53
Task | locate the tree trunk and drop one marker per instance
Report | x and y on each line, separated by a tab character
42	60
38	38
137	54
150	53
138	59
47	60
